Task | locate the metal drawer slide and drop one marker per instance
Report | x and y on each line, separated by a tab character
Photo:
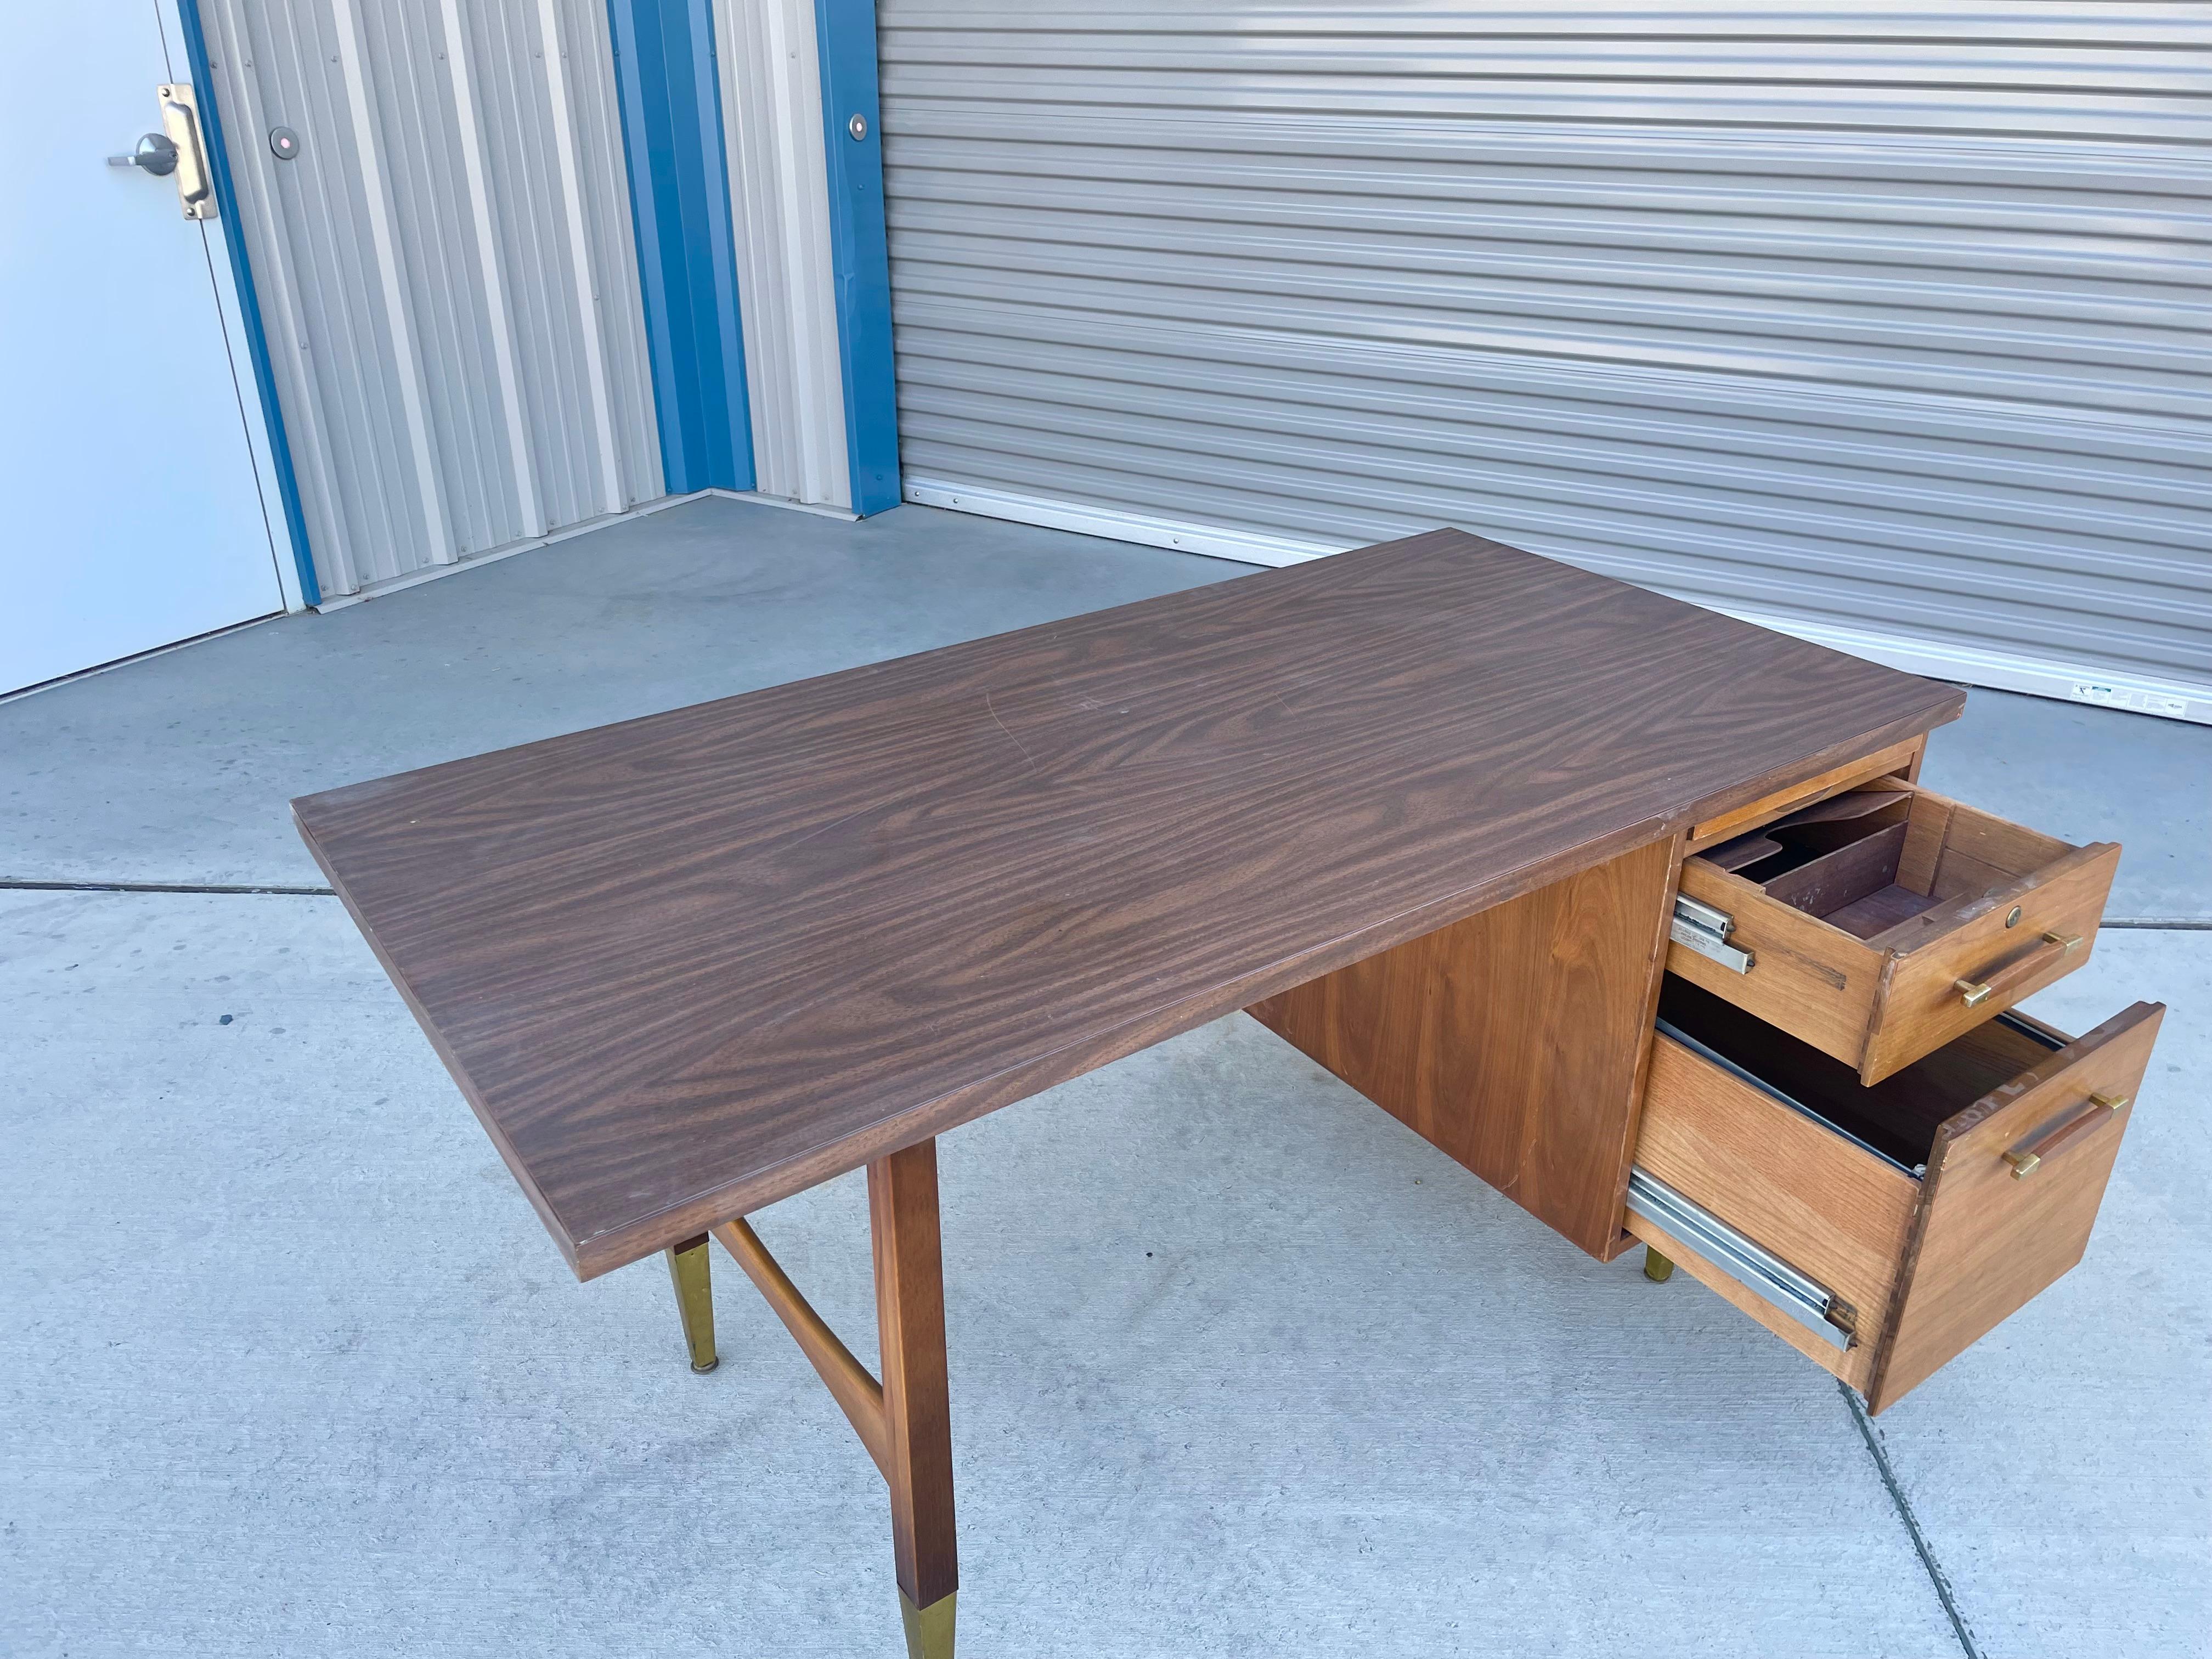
1757	1269
1700	927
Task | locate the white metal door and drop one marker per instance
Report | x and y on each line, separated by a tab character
135	516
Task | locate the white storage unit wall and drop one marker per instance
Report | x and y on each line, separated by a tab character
1886	322
446	271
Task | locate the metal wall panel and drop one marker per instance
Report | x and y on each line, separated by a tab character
447	270
778	191
1888	321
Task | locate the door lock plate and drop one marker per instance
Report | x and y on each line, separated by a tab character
180	119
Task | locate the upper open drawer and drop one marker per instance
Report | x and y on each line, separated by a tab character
1879	924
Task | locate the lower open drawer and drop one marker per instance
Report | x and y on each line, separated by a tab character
1879	1230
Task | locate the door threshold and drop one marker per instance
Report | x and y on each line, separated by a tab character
76	675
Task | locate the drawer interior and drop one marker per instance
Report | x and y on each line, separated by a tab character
1913	1214
1894	1119
1887	864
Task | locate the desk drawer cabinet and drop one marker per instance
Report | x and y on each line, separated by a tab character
1880	1230
1881	923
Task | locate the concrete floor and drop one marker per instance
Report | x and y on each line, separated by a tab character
1240	1367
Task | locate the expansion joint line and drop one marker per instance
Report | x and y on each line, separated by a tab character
11	884
1869	1433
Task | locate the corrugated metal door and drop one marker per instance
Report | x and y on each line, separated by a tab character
1887	321
447	270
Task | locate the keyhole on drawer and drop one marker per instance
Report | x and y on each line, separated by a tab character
2012	917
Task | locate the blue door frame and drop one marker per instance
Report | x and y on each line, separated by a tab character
249	301
852	120
672	133
671	111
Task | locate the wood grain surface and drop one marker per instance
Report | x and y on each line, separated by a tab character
1514	1040
916	1383
1733	819
685	965
1822	1205
1809	977
1986	1244
1974	937
1879	987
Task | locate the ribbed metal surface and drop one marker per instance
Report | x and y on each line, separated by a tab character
447	270
779	190
1877	317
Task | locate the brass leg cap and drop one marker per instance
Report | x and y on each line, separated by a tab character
708	1367
1656	1268
928	1630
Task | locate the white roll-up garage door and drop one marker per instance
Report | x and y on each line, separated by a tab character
1885	323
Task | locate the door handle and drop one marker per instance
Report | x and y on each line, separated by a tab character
156	153
180	118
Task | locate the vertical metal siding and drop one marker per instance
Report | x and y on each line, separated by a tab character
446	271
1875	318
778	188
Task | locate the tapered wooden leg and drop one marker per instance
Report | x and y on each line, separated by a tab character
917	1404
694	1300
1656	1268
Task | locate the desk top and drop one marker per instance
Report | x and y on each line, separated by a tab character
686	965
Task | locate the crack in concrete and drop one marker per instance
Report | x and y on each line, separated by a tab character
1920	1545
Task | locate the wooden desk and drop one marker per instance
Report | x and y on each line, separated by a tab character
686	965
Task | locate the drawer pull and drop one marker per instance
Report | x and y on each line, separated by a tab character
1703	928
2055	946
2026	1160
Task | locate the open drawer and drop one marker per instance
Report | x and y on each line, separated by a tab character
1880	1230
1879	924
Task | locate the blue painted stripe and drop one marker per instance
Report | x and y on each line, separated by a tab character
249	302
671	112
858	250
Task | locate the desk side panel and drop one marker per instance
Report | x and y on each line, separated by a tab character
1516	1040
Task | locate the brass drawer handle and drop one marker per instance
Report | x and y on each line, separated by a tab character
1976	992
2026	1160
